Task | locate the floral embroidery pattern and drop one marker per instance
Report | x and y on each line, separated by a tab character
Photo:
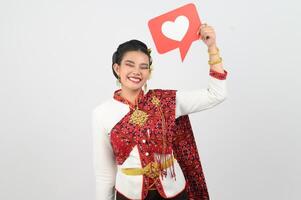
148	137
188	157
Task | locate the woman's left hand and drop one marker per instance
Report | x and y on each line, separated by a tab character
207	34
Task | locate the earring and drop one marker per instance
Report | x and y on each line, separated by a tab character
145	87
150	72
118	82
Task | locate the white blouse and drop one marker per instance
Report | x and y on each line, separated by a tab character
106	115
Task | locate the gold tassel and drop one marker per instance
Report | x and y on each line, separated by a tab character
172	172
162	157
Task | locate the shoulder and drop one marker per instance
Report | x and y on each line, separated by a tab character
103	108
164	92
167	97
109	112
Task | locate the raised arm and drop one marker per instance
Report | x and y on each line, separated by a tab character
188	102
104	162
193	101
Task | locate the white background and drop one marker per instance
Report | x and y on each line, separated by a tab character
55	67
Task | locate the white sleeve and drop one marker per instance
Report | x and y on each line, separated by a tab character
104	161
194	101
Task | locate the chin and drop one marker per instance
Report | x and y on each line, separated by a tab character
134	88
140	88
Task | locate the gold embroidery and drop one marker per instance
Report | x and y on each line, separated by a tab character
151	170
155	101
139	117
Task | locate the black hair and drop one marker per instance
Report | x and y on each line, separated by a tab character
131	45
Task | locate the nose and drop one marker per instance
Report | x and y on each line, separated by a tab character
137	71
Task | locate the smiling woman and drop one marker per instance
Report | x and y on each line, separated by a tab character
144	146
132	68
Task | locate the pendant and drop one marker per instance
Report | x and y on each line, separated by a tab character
138	117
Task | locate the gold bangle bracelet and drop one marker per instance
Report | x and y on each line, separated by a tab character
214	53
215	62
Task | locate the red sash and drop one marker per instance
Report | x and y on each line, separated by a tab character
186	152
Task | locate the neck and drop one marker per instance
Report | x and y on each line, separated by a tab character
130	95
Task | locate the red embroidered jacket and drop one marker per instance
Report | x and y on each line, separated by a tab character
120	143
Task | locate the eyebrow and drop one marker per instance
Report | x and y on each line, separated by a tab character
130	61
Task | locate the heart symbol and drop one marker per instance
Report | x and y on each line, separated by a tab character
176	30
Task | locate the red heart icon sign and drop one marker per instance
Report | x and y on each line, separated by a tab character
175	29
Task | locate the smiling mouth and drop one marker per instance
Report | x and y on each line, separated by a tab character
135	80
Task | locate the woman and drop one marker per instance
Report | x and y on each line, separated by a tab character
143	142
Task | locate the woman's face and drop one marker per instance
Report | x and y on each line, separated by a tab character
133	70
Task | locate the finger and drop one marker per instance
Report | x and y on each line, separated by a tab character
210	34
203	31
207	28
201	28
206	37
204	26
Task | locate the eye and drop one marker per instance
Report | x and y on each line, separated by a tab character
144	67
130	65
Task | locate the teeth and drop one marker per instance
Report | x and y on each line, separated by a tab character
134	79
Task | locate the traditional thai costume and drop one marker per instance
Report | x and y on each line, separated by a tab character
150	145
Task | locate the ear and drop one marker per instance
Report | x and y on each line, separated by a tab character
116	68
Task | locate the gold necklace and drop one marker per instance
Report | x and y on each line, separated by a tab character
138	117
